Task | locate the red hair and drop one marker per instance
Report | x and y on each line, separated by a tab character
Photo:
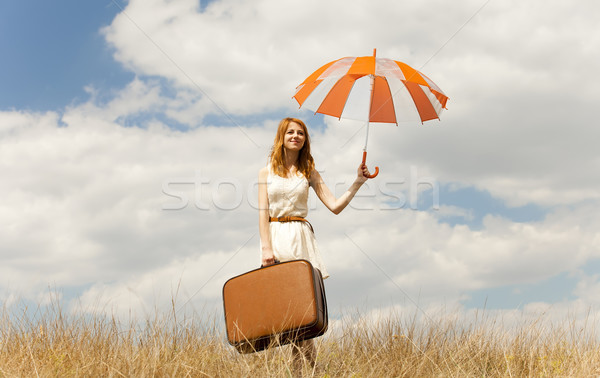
306	163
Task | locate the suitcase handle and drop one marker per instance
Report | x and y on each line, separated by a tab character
276	262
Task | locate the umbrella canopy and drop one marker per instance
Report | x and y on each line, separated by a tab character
371	89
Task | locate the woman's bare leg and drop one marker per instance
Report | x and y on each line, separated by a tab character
304	352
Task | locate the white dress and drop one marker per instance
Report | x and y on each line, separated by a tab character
292	240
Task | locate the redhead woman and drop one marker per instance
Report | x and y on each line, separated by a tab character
283	205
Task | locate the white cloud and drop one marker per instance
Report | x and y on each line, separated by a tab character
410	252
89	195
83	199
455	211
538	319
248	57
519	77
83	194
588	289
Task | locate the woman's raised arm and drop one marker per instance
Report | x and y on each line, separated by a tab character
336	205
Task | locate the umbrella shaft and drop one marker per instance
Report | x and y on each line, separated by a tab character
367	137
370	106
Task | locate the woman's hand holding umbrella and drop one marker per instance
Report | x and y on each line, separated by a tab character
363	173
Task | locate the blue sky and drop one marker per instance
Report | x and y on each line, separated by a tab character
104	106
53	50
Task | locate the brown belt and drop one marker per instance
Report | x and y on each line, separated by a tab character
291	219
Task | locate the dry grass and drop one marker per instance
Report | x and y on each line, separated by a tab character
51	343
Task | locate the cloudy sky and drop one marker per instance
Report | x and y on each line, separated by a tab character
131	135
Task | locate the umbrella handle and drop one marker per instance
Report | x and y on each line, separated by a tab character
376	168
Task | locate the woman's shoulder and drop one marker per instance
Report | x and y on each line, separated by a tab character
264	171
314	176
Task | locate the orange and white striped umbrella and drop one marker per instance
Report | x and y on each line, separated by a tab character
371	89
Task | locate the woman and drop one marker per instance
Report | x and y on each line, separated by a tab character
283	193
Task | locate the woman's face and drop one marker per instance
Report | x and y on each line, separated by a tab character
294	137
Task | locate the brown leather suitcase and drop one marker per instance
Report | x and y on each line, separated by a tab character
275	305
